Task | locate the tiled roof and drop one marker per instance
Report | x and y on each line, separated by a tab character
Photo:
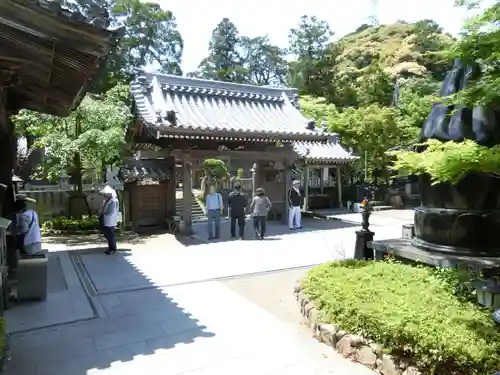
145	169
206	107
330	151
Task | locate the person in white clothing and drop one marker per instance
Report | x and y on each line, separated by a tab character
108	217
294	204
28	227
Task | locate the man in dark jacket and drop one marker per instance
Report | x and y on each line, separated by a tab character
294	205
237	205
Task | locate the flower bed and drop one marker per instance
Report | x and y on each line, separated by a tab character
399	319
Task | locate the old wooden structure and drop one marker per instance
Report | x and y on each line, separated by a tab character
193	119
151	191
321	166
48	58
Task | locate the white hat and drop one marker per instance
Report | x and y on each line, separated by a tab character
107	190
296	182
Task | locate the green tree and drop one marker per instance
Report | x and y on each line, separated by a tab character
308	43
264	62
223	62
151	37
90	139
480	45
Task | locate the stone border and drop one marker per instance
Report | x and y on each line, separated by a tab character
351	346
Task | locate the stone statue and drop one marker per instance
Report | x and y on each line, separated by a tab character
463	218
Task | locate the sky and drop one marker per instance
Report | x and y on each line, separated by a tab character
197	19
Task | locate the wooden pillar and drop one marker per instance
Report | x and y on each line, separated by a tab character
306	187
187	193
339	186
287	183
254	178
321	180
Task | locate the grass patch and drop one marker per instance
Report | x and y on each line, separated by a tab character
410	311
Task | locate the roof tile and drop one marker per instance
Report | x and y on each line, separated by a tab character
212	106
145	169
331	151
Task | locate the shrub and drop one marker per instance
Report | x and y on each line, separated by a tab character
66	224
215	168
410	311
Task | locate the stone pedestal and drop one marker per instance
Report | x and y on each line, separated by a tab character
362	250
461	219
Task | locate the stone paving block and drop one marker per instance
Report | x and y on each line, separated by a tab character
54	351
81	365
129	336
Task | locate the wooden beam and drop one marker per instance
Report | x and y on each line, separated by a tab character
38	21
256	155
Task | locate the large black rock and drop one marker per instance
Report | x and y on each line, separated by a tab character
463	218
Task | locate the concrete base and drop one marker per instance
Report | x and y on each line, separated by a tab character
402	248
361	248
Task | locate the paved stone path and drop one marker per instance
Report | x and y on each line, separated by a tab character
151	310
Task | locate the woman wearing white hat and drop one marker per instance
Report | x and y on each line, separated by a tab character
108	217
29	237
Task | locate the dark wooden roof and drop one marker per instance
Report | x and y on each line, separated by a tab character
174	106
49	55
135	170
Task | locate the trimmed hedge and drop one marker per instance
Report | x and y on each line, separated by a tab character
65	224
412	311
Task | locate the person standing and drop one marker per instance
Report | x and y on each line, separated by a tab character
237	204
108	217
214	205
294	204
259	207
29	238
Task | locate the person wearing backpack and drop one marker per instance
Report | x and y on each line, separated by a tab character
29	237
215	206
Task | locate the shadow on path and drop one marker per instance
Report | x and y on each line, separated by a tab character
274	229
130	326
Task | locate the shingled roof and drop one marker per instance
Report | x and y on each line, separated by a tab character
145	170
323	153
52	53
173	106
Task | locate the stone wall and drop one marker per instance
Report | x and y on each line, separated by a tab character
351	346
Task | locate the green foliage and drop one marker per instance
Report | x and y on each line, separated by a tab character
90	138
215	168
66	224
264	63
448	161
242	59
372	129
240	173
151	37
224	62
408	310
479	45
